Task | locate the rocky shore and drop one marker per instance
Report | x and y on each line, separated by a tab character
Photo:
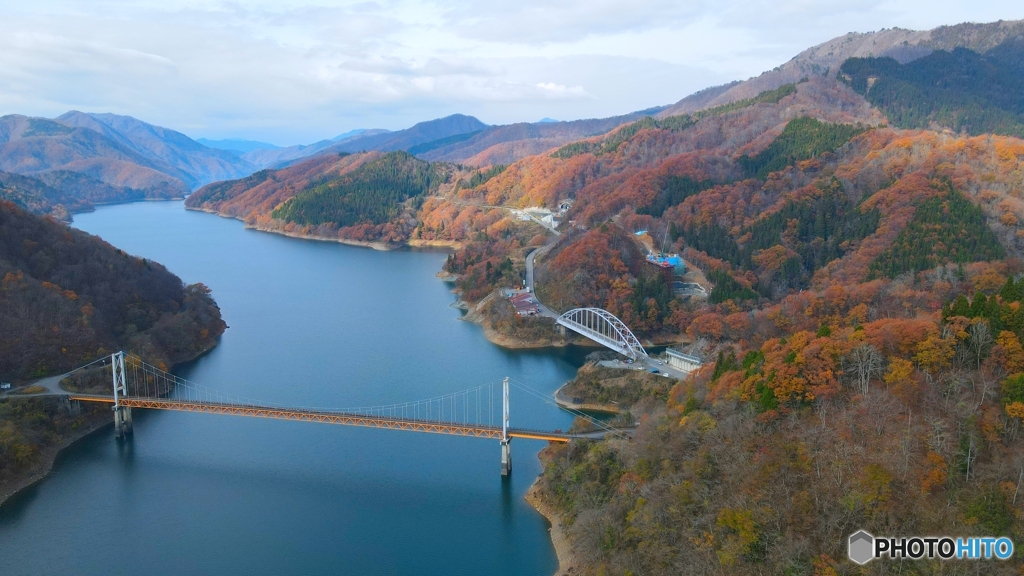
568	563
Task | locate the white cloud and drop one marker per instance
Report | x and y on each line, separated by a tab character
299	70
562	91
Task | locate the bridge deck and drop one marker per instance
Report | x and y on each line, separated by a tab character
343	418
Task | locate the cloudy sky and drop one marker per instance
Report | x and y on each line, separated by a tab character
296	71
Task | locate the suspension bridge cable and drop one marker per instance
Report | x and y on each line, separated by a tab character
166	384
156	382
544	397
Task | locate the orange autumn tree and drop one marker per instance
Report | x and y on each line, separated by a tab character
799	368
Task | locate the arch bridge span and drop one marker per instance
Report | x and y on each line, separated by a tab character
603	327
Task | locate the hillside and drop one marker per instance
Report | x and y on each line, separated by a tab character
66	294
850	391
368	197
506	144
826	58
101	158
168	151
32	146
60	193
38	197
861	334
962	90
67	298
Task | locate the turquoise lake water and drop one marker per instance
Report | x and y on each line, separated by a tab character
310	324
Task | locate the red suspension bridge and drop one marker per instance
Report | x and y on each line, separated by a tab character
472	412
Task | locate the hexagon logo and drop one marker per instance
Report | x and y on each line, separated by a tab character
861	548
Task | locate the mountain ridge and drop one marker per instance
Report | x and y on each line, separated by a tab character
170	151
900	44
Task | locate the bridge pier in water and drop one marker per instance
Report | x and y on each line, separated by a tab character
506	457
122	421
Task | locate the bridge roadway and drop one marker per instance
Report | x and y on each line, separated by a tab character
329	417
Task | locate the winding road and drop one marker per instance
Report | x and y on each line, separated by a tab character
544	310
51	383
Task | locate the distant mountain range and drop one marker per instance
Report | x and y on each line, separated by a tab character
455	138
280	157
81	158
78	159
456	126
237	145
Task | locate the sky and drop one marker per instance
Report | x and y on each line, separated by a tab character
298	71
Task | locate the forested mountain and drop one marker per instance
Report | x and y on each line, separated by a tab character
169	151
371	196
831	244
91	158
826	58
962	89
66	297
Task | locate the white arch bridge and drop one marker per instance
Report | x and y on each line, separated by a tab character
603	327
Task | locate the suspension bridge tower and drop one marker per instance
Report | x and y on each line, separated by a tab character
122	414
506	440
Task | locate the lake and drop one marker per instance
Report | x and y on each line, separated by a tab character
310	324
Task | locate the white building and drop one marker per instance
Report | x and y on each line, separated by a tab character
683	362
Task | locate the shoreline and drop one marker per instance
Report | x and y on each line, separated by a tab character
51	454
567	561
50	457
507	342
445	245
563	402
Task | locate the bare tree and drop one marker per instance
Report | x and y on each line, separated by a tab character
980	340
1020	478
986	385
865	362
